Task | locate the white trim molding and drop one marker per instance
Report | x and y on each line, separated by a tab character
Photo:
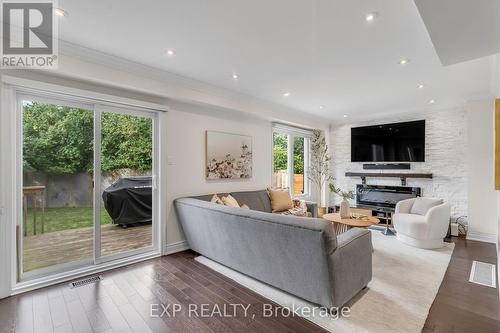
175	247
7	186
40	88
80	272
481	237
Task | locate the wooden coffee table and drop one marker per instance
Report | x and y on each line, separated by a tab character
341	225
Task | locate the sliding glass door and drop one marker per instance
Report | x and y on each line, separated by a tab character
57	226
88	191
126	178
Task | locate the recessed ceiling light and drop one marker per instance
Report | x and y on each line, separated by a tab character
171	52
420	86
60	12
404	61
321	107
432	101
236	76
345	116
286	94
370	17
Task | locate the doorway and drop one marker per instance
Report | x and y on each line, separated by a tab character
88	192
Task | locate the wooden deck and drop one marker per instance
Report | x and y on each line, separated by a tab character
77	244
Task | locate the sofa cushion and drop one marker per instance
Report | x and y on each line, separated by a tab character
230	201
411	224
280	200
422	205
255	200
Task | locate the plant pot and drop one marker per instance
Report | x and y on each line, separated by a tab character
345	210
321	211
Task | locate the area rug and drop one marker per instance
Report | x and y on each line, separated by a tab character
404	285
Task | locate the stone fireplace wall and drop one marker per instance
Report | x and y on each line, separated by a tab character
445	157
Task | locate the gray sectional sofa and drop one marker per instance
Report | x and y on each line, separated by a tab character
299	255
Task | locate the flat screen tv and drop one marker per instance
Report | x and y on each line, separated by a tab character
398	142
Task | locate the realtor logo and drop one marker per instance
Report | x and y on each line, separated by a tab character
29	35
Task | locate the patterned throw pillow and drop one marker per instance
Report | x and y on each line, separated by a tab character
230	201
216	199
295	212
299	209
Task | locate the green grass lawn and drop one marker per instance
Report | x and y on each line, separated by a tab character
57	219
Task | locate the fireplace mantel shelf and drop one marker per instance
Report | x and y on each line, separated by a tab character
402	176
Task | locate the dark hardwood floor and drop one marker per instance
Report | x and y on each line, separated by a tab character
122	301
461	306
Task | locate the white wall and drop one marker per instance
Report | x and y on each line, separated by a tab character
496	75
446	144
186	155
483	223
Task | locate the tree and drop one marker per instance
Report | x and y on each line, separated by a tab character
126	143
60	140
57	139
281	153
319	171
298	155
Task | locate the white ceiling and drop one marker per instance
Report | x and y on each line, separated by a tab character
469	30
321	51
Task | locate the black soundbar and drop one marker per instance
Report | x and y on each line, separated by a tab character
387	166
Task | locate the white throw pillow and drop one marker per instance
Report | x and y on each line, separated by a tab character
422	205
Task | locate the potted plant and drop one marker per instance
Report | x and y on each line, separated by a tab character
345	210
319	170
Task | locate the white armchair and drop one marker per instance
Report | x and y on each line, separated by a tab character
422	222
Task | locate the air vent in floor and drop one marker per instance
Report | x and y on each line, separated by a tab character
483	273
83	282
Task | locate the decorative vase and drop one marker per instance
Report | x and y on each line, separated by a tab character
321	211
345	210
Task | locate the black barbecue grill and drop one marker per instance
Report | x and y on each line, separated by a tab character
129	200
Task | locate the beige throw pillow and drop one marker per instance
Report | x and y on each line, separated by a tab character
216	199
230	201
244	206
280	200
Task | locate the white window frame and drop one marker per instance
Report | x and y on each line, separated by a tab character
12	87
292	133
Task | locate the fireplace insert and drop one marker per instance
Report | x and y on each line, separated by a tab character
384	196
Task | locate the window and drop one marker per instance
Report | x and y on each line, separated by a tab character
68	146
291	159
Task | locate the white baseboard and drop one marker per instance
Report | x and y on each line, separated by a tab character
80	272
175	247
481	237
